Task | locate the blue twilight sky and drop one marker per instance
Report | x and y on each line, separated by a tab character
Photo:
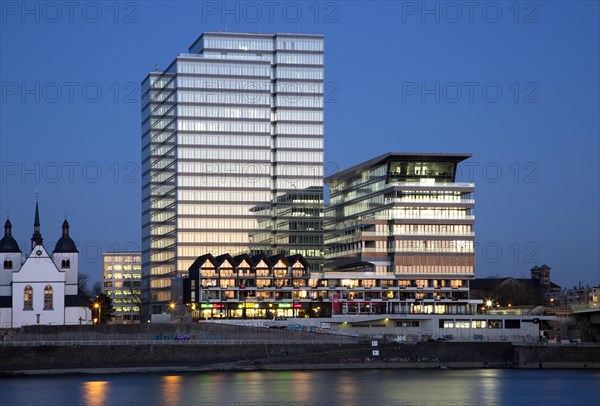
514	83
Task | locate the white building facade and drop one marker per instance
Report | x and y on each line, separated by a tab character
40	288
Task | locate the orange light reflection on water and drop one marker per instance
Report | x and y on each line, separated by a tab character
95	392
171	389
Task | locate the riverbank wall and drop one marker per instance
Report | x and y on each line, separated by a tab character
278	356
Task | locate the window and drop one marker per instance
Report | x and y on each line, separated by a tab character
28	298
512	324
48	305
7	264
66	263
494	323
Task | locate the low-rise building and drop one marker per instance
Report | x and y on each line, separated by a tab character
252	287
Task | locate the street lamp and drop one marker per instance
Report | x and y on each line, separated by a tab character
97	306
172	308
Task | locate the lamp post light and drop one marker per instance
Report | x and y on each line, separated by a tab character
97	306
172	308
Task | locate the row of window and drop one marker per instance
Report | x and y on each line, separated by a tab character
226	169
219	249
249	182
434	245
508	324
238	56
211	237
64	264
422	212
212	210
433	269
225	154
215	85
300	129
299	73
247	98
212	223
304	44
242	44
224	68
299	156
298	115
224	126
299	59
298	101
48	298
263	44
230	140
225	112
430	229
282	89
224	196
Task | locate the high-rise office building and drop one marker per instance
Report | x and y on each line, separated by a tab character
400	226
232	136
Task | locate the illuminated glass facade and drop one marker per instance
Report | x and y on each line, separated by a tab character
402	228
122	283
234	125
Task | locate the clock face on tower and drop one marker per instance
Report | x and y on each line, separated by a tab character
38	252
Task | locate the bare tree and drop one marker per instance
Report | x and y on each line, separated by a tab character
83	291
97	289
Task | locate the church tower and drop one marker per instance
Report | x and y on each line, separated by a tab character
36	238
65	257
10	261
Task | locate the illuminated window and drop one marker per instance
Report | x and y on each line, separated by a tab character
28	298
48	298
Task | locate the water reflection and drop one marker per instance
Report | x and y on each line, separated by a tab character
350	387
95	392
171	388
302	386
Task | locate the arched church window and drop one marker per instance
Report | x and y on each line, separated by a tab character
28	298
48	298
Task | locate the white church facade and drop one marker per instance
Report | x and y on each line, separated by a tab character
40	288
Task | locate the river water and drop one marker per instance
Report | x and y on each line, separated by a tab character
485	387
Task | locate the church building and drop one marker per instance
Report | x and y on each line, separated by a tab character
39	288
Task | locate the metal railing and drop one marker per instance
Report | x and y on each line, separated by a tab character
67	343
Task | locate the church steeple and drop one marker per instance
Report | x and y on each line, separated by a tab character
36	238
65	243
8	243
7	228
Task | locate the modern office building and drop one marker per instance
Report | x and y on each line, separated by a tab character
122	283
230	129
399	236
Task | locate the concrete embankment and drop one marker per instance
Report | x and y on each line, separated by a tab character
205	346
266	356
